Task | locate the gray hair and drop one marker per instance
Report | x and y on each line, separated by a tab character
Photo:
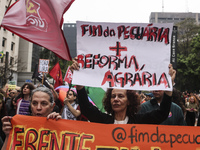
45	90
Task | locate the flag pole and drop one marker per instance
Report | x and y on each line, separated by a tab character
9	3
70	86
42	78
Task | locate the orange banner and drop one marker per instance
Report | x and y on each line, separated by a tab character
39	133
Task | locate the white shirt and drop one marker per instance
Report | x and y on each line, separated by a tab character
66	114
125	121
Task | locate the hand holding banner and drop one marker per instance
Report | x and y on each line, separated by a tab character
39	133
123	55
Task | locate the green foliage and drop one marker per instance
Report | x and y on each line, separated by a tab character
187	30
188	57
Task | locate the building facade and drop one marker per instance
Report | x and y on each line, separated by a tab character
17	52
170	17
69	30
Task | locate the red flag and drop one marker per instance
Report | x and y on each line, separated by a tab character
56	75
68	76
39	21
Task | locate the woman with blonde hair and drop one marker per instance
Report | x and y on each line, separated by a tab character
192	109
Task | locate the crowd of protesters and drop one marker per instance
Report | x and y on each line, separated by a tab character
18	101
189	103
184	106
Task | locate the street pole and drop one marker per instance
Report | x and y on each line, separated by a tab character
5	69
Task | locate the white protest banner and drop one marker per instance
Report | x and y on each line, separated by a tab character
123	55
43	65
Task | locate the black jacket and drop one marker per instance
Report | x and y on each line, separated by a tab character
95	115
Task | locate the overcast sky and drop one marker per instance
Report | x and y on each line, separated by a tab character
133	11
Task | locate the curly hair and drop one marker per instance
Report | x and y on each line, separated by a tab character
132	108
30	86
176	98
195	100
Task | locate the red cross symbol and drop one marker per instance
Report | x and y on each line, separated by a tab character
118	48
